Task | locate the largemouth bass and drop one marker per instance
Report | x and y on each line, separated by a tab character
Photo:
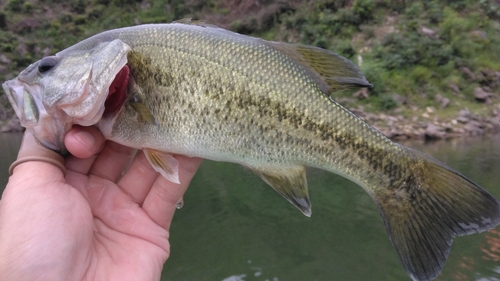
198	90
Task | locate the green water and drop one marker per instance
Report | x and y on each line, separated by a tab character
9	145
234	227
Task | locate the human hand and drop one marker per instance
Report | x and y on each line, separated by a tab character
94	223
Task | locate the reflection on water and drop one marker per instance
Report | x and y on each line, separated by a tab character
234	227
489	262
491	249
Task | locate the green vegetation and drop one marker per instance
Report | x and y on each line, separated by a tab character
414	49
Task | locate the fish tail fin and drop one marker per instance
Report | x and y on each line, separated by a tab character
430	206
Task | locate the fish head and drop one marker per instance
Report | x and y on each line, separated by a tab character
71	87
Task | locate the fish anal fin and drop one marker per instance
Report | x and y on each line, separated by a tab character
428	208
333	72
290	182
164	163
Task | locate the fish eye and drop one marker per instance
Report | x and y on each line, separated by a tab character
46	64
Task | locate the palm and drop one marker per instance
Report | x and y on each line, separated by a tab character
95	224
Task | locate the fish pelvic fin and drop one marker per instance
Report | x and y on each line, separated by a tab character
333	72
291	183
426	210
164	163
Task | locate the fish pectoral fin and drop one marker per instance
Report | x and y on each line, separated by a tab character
333	72
143	113
291	183
164	163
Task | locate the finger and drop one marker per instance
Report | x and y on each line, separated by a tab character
139	179
160	203
112	161
83	143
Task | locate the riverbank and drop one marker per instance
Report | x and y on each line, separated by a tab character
430	127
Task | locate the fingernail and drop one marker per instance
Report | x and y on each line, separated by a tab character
85	138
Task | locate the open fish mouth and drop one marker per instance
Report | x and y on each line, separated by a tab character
73	87
25	101
50	123
29	108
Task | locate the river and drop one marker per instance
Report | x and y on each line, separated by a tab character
234	227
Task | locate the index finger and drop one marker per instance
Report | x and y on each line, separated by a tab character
160	203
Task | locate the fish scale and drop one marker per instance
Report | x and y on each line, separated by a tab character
202	91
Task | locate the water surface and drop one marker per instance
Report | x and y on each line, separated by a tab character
234	227
9	145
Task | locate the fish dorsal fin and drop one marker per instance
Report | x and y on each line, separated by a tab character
164	163
332	71
290	182
194	22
